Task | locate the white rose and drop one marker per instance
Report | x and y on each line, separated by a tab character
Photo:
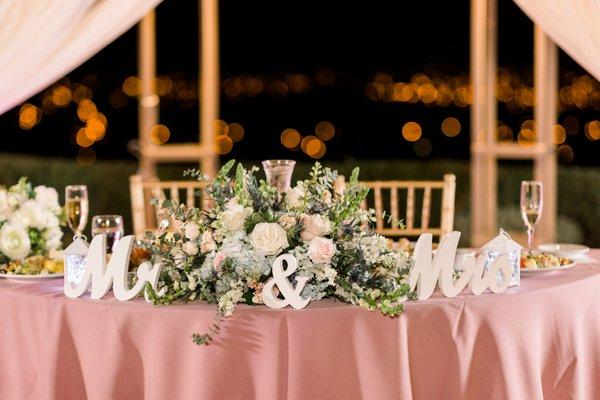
234	217
191	231
47	197
32	215
294	197
207	243
53	237
190	248
269	238
321	250
14	241
4	206
315	225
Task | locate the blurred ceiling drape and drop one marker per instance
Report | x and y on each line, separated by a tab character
574	25
43	40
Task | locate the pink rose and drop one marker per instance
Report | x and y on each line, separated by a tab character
218	260
321	250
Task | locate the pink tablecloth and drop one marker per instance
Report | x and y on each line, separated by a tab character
541	340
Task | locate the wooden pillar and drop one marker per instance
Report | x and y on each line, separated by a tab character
148	101
483	120
209	81
545	113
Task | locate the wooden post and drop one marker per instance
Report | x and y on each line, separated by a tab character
209	81
148	101
483	120
546	87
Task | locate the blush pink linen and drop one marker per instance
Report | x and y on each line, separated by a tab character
541	340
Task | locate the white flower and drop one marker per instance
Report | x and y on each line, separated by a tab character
190	248
207	243
14	241
16	198
191	231
4	206
233	218
294	197
287	221
326	197
47	197
321	250
269	238
52	236
315	225
32	215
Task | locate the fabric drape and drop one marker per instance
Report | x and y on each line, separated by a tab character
574	25
43	40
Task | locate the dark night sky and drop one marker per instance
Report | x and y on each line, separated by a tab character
271	38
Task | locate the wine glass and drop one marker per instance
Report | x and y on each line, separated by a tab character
76	207
111	226
532	201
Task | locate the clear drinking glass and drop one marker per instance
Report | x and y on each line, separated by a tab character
532	202
279	173
76	208
111	226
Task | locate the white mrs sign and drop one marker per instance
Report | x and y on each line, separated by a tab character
425	275
101	275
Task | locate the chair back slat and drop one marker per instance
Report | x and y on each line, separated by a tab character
145	216
426	208
420	197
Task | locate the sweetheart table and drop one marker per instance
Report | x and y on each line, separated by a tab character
540	340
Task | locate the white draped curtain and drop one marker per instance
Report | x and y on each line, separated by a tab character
574	25
43	40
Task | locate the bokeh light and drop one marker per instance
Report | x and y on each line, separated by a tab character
86	157
411	131
451	127
223	144
159	134
86	109
82	139
290	138
422	147
566	153
592	130
559	135
235	131
132	86
61	96
325	130
504	133
29	116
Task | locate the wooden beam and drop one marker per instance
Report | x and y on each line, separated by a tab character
184	152
209	80
545	114
148	101
483	119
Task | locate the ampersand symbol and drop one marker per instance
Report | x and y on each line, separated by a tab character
291	295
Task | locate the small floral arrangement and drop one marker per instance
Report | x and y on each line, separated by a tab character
30	219
223	254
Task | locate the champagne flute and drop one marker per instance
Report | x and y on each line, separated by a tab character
532	201
111	226
76	206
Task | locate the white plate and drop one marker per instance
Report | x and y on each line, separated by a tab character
551	269
565	250
37	277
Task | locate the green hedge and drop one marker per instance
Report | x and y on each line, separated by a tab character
579	187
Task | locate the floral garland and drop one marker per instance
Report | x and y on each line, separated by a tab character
30	219
223	254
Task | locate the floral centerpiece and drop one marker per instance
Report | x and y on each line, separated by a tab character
30	219
223	254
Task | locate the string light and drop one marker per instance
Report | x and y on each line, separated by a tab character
451	127
411	131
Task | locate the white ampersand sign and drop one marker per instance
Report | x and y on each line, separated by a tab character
291	295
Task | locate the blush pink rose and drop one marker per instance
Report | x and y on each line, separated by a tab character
218	260
321	250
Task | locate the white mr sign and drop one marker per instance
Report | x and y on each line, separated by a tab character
102	275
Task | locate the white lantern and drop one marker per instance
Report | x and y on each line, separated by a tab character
503	244
75	258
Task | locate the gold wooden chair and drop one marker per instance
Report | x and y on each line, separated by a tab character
404	198
145	216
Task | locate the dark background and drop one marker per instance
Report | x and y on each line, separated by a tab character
338	46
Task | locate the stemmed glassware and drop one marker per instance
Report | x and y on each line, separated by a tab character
532	202
279	173
111	226
77	208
